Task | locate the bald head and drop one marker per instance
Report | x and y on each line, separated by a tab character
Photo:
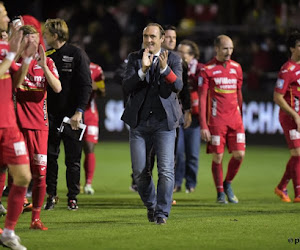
224	48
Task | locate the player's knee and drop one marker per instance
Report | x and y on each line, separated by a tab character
239	155
218	158
22	180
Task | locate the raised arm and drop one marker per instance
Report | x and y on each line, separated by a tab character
52	79
29	51
14	44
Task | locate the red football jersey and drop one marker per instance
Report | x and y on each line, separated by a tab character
31	97
222	80
194	71
97	76
7	111
288	84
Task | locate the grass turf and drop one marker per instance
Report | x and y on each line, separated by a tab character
114	218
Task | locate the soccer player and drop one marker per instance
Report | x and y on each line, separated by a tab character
12	145
287	95
91	120
32	116
221	115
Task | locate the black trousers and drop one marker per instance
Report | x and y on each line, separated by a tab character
73	149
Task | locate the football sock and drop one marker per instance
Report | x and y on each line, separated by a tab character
286	176
217	172
2	182
14	205
38	195
233	167
89	167
9	180
296	175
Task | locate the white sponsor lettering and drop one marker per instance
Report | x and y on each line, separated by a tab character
20	148
217	72
261	118
67	59
224	80
40	159
298	72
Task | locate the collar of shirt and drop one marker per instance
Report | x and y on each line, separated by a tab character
155	56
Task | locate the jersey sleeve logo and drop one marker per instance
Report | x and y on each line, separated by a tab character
279	83
200	81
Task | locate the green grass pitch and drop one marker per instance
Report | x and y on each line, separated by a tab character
114	218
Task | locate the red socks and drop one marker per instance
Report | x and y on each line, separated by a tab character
286	176
233	167
217	172
14	205
38	195
2	182
89	167
295	173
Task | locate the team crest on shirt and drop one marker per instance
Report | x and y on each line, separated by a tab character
279	83
297	72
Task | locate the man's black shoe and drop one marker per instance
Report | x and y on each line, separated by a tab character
72	205
5	191
51	201
150	215
161	221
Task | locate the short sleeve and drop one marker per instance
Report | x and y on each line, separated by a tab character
282	82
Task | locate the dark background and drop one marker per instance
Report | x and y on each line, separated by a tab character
109	30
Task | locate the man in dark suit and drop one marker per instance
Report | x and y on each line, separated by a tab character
151	80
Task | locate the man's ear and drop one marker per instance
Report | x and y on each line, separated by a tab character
55	36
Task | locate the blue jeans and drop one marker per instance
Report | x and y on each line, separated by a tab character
147	134
187	154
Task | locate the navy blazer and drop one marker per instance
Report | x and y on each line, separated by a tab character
136	89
